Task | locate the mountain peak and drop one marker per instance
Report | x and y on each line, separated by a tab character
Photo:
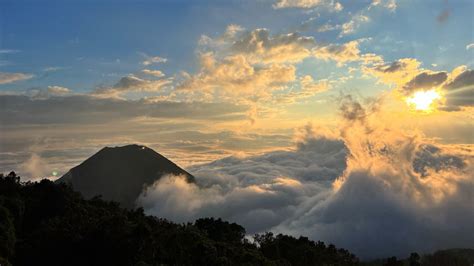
121	173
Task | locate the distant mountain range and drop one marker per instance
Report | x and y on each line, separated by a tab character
120	173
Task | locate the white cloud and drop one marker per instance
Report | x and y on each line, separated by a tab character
470	46
58	90
330	5
150	60
240	188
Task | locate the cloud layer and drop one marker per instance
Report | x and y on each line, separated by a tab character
60	129
374	190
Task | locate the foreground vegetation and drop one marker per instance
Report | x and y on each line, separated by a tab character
49	224
44	223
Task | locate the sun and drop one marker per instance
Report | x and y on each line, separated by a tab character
423	100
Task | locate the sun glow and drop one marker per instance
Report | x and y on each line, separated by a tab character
423	100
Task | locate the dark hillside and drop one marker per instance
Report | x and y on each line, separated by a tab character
47	223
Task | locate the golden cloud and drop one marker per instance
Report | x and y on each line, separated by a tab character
235	76
261	47
398	72
347	52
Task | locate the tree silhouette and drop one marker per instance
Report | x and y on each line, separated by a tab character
393	261
414	259
43	223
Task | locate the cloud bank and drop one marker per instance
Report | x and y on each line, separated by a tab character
373	190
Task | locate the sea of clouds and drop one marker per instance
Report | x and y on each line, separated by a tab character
365	186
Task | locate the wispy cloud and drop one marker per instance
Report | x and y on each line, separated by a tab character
150	60
353	24
388	4
131	83
53	68
346	52
331	5
8	51
6	77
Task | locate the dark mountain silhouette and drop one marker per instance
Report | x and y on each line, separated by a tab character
120	173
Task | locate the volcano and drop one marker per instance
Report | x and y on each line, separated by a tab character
121	173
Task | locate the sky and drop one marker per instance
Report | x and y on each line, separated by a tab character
285	110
